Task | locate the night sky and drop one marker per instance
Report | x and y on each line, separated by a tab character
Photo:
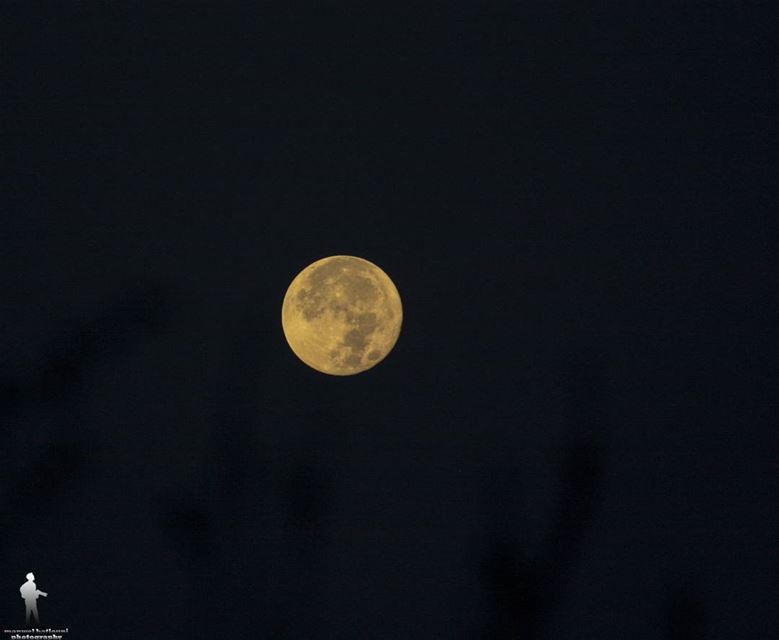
574	436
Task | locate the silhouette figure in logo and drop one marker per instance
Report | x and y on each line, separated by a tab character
30	595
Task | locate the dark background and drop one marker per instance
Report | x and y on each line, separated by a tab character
572	437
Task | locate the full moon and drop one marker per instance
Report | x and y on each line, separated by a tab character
341	315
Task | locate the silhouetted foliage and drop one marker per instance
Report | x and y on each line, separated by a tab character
41	474
527	591
685	615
